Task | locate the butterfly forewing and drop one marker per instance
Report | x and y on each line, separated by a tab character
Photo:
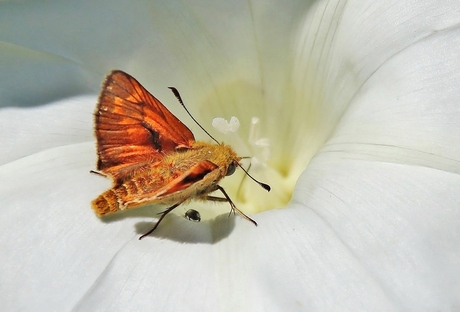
133	128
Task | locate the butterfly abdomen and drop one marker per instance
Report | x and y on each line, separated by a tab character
123	196
106	203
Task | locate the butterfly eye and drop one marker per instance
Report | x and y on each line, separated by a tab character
231	169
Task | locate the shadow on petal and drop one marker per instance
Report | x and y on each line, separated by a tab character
176	227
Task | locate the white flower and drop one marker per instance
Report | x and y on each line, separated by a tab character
358	109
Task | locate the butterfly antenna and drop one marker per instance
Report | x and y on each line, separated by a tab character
242	180
176	93
265	186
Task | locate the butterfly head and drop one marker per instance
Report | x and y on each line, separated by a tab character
229	160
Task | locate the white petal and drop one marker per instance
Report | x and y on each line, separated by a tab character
407	112
28	130
367	229
393	230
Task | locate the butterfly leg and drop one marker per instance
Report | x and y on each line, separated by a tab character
220	199
232	205
216	199
163	214
98	173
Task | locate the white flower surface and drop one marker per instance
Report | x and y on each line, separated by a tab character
357	130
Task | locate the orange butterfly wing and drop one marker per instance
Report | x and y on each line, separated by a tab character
133	128
158	190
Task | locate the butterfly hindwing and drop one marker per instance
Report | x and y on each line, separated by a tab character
156	191
193	175
133	128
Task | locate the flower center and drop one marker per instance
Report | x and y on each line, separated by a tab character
255	151
272	139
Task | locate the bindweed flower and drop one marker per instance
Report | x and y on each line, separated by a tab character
349	110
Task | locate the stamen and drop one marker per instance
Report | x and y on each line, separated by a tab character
254	129
260	146
262	142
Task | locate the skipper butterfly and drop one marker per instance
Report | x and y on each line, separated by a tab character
151	156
